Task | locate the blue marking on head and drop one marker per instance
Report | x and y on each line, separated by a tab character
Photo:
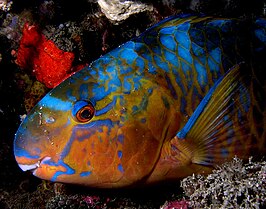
120	168
114	84
103	76
168	42
20	152
83	91
70	96
55	104
119	154
94	126
202	76
69	170
85	173
111	70
185	54
100	93
93	72
106	108
127	85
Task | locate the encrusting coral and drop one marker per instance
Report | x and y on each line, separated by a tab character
232	185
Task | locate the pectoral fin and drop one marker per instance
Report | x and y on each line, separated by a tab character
219	127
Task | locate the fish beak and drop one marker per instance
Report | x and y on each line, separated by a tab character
35	166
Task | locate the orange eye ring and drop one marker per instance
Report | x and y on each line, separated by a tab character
83	111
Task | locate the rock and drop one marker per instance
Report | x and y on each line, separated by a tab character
118	10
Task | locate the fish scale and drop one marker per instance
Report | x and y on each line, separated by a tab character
182	97
193	63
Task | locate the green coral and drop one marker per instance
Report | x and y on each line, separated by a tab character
232	185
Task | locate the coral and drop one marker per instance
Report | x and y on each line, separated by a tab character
10	28
64	35
232	185
48	63
96	202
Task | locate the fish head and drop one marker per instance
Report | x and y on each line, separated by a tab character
83	132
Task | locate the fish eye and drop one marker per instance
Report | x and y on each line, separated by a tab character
83	111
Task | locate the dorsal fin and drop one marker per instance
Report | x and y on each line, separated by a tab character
219	125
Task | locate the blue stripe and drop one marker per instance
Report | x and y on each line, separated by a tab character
69	170
55	103
20	152
86	173
106	108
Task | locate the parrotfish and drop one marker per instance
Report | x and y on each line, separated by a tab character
183	97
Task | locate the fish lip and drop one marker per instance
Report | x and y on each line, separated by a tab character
33	167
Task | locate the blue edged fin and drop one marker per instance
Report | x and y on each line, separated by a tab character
216	130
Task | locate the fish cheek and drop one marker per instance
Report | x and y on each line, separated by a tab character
140	152
93	156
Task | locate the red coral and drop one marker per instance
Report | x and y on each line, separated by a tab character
48	63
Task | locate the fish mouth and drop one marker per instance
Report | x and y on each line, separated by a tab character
33	167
